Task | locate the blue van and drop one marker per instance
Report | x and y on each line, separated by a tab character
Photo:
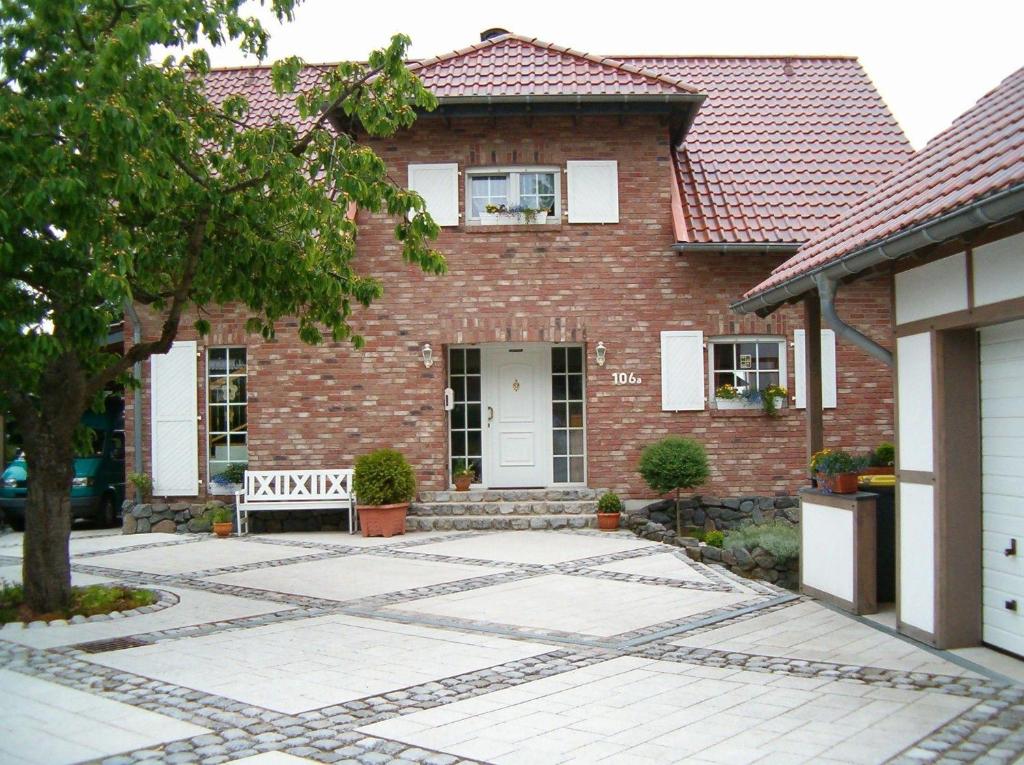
97	490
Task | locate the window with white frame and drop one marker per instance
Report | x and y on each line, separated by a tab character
746	363
532	188
227	406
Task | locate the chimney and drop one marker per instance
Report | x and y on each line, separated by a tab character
490	34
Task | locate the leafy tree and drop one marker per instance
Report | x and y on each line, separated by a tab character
124	185
673	464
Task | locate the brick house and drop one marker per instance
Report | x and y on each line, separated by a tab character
567	343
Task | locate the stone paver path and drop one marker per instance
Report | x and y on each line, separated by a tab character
467	647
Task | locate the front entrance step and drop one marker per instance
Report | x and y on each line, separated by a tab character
498	522
442	509
511	495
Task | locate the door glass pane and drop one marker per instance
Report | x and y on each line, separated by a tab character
576	387
473	361
472	388
559	442
465	436
576	469
575	359
458	443
558	418
457	361
558	387
473	442
561	470
557	360
473	412
576	414
575	442
459	417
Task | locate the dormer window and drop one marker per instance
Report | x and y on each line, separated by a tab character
513	195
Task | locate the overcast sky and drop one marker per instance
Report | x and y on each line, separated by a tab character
930	60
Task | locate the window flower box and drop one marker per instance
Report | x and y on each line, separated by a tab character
744	403
512	219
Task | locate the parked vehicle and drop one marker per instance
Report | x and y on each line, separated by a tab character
97	490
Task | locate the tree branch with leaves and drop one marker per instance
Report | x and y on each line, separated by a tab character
128	180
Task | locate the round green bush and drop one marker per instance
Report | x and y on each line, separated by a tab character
714	538
609	503
383	477
674	463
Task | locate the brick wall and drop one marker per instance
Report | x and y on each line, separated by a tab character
620	284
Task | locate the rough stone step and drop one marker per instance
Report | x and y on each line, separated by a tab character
511	495
499	522
575	507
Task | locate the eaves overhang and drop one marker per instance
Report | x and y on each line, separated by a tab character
977	215
738	248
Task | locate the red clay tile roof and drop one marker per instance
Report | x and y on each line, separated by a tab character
782	147
979	155
510	65
254	82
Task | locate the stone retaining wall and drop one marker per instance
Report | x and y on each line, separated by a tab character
711	513
185	517
755	564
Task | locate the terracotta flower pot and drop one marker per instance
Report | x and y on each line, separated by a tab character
841	483
462	482
382	520
608	521
222	529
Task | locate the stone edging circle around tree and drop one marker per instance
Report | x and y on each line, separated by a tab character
164	600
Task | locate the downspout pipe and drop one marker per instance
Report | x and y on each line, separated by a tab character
133	316
827	288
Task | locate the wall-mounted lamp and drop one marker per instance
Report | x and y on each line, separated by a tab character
428	356
599	353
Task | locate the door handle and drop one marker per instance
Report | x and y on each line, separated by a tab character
1012	549
490	415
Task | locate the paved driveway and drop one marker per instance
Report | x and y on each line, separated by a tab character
501	647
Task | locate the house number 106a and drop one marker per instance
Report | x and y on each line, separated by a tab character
625	378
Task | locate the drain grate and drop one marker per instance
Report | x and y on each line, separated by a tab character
117	644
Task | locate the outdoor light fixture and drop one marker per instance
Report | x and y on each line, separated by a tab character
599	353
428	356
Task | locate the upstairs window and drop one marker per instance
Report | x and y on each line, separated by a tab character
534	189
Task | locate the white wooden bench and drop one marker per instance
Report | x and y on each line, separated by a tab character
294	490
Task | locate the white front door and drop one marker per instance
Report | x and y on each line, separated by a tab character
1002	484
517	415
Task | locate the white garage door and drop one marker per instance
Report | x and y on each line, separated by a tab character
1002	468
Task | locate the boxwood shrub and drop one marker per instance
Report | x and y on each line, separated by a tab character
383	477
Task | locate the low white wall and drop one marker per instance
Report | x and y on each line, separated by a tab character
916	575
827	548
932	289
999	270
914	401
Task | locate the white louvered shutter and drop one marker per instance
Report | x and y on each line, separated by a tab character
682	371
593	191
439	187
829	397
175	426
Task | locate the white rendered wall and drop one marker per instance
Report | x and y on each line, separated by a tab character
932	289
916	574
827	549
999	270
914	401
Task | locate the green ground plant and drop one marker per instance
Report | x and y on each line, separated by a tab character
85	601
781	540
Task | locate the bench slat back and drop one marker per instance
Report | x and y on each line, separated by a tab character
291	485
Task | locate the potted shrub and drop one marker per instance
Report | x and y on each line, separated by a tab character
143	485
463	475
222	517
882	461
609	507
384	484
673	464
837	470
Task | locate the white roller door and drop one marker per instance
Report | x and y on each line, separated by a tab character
1002	469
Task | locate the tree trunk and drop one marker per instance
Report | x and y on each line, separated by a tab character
46	569
48	426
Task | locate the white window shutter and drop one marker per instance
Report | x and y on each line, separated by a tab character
439	187
593	191
829	396
682	371
175	428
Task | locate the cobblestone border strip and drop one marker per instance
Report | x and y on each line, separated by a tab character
743	616
993	729
268	539
977	688
212	749
183	539
653	632
164	600
679	584
261	564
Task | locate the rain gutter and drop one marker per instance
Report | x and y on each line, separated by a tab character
827	287
981	213
738	248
